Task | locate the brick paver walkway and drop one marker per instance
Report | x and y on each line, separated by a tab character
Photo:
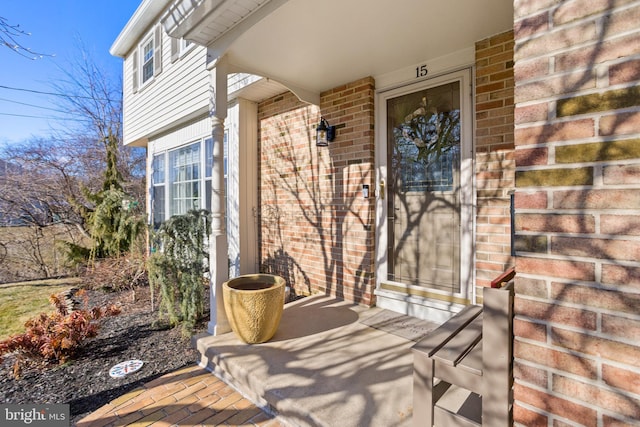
190	396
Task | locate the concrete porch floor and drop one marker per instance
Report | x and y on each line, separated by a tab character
325	366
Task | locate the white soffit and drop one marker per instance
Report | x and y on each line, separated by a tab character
208	21
312	46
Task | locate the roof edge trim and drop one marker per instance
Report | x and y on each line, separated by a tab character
144	16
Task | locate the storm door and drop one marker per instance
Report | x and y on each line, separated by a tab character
427	192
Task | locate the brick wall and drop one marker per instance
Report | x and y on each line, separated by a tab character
495	165
316	227
577	136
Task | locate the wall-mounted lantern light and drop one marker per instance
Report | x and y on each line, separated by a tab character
324	133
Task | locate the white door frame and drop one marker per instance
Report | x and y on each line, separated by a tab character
428	304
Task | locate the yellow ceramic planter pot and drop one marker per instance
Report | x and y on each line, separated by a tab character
254	305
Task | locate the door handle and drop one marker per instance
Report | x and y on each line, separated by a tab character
382	189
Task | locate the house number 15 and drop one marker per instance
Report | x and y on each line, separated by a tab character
421	71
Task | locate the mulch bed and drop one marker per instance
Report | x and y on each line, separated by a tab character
85	383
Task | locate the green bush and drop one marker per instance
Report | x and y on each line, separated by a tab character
178	266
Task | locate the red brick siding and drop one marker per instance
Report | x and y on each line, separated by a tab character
316	228
495	164
577	129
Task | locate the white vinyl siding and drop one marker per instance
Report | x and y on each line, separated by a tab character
179	94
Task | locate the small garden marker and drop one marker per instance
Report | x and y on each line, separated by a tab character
125	368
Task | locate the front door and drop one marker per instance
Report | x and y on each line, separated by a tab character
426	183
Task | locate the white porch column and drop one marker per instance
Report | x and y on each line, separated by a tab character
218	246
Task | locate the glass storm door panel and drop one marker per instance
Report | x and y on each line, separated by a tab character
423	170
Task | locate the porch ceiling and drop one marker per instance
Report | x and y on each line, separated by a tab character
312	46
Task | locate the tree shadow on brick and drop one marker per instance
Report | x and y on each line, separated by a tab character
577	268
306	213
284	265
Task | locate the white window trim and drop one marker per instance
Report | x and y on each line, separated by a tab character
155	37
149	39
186	48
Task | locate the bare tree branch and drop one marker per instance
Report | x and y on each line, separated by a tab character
48	179
9	34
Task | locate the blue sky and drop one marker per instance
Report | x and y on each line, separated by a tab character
56	27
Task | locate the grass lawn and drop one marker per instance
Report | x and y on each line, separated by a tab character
21	301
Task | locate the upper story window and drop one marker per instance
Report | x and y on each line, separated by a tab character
179	48
147	59
185	45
